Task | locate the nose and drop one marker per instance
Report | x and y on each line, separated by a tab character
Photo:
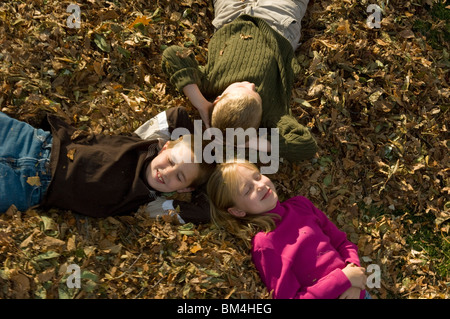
260	187
168	171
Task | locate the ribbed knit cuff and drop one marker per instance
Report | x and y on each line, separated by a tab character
184	77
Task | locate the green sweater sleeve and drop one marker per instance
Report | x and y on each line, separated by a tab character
181	67
295	140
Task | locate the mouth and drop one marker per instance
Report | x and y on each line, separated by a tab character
159	177
267	194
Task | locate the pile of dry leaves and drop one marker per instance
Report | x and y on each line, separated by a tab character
376	100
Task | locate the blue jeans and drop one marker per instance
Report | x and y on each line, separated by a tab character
24	164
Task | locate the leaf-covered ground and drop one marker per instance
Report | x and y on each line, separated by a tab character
376	99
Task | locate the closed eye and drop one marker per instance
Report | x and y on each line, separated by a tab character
247	190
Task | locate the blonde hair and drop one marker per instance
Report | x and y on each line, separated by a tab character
236	110
206	169
222	187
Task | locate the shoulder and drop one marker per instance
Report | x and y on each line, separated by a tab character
262	242
300	203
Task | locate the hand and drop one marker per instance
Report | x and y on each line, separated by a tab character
197	99
356	275
351	293
205	109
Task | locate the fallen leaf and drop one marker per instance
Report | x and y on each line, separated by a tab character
195	248
34	181
71	153
102	43
407	34
246	36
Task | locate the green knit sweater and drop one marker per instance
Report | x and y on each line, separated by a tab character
248	49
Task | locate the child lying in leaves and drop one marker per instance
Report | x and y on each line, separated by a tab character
251	69
297	250
97	175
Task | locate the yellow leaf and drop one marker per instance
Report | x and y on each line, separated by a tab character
34	181
246	36
344	27
142	19
196	248
70	154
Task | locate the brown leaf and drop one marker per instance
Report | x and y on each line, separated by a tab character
407	34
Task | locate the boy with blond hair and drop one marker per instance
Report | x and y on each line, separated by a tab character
250	71
237	109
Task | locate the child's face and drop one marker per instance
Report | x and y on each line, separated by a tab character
171	171
243	88
256	194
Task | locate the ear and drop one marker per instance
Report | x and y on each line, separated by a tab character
217	99
164	147
236	212
185	190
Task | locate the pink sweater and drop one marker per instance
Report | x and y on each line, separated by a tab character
304	255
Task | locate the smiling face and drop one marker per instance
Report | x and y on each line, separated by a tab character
173	169
256	195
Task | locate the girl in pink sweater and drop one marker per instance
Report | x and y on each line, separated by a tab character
297	250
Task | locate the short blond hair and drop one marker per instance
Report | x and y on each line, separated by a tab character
236	110
222	187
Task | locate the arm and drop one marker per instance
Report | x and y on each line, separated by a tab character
278	276
338	238
295	140
348	251
351	293
197	99
196	211
180	65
